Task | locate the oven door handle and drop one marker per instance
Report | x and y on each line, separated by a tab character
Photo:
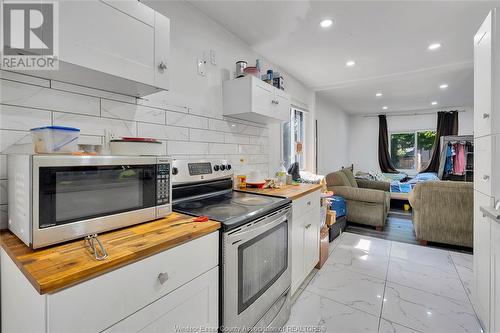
246	234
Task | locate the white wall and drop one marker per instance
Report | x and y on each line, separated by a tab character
333	136
187	119
363	134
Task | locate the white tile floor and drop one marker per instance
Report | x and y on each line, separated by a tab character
376	285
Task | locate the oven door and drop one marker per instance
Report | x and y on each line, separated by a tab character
75	196
256	268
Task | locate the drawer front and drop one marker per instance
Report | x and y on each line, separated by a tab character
483	148
97	304
306	204
195	304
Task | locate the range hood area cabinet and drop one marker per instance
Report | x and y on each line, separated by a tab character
254	100
112	45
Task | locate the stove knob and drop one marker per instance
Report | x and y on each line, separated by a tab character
175	171
216	167
222	167
229	167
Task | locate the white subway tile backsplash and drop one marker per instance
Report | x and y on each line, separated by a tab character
3	192
160	100
24	78
223	148
162	132
186	120
187	148
257	159
91	92
15	142
249	149
205	135
21	118
90	140
259	140
95	126
21	94
236	138
127	111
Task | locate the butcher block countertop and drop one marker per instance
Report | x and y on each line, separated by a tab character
289	191
60	266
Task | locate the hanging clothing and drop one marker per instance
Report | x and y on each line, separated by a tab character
448	167
459	159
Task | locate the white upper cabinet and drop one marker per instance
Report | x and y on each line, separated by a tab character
118	46
252	99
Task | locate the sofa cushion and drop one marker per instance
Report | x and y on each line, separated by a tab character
337	178
350	177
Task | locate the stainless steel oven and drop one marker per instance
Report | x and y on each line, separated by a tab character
55	198
256	272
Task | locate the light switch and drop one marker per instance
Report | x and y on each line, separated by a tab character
201	67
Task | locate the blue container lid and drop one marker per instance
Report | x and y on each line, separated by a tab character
59	128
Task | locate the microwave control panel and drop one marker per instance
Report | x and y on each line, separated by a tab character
163	183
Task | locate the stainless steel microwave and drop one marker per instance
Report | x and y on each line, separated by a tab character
56	198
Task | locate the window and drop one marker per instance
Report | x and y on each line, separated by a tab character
411	150
294	139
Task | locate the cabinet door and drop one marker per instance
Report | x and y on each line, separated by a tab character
482	79
162	48
311	241
194	304
281	105
297	252
262	98
95	35
482	232
495	276
483	173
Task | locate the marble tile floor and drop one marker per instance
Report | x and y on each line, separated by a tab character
376	285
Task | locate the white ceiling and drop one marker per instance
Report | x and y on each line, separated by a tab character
387	39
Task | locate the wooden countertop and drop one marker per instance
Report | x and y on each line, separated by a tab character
60	266
289	191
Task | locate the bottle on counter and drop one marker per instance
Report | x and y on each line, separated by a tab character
269	76
281	174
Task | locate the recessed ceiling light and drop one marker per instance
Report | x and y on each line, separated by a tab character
350	63
384	108
443	86
434	46
434	103
379	94
326	23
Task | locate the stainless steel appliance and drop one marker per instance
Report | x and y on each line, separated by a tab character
55	198
255	245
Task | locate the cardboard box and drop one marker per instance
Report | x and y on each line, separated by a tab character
323	246
331	217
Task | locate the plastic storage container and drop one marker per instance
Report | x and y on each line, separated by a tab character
55	139
338	205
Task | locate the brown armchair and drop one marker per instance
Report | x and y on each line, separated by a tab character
368	201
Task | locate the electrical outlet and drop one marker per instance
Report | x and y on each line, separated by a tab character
201	67
213	60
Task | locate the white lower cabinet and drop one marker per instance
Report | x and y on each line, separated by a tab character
482	248
176	287
495	277
305	237
192	305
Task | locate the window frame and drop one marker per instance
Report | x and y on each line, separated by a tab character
415	157
293	158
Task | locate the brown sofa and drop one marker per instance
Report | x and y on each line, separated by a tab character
367	201
443	212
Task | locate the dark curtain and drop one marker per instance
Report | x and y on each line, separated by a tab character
447	124
384	159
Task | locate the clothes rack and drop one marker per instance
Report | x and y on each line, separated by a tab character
467	141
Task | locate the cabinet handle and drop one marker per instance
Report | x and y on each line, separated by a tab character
486	177
309	203
273	101
163	277
162	66
277	102
486	115
308	226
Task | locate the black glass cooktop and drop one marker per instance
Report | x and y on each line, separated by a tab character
231	209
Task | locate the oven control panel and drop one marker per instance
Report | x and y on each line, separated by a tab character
185	171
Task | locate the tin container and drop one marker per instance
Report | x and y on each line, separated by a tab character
240	68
